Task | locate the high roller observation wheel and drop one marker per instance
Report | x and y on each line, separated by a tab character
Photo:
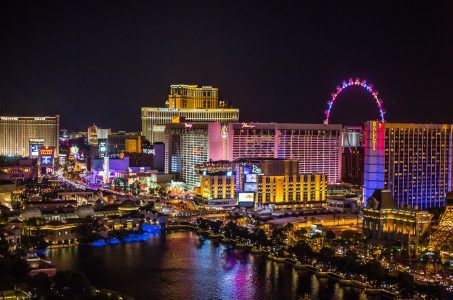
351	83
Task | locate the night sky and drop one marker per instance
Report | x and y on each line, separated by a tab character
100	61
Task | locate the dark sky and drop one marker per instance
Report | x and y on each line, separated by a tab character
100	61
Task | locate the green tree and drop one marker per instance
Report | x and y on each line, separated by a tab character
301	233
40	285
303	251
259	237
279	235
330	235
350	235
349	263
406	284
231	230
4	247
375	272
215	226
72	285
326	255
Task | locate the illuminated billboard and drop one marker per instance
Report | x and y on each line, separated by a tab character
247	170
246	199
46	160
250	178
102	149
35	145
250	187
46	155
74	149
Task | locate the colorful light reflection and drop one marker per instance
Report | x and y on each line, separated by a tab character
148	231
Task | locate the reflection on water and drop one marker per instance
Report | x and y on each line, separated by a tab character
180	265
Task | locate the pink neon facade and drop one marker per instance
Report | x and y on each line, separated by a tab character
317	147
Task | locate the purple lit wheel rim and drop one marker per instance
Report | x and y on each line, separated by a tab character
361	83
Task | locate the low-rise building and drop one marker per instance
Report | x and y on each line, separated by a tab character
12	236
341	204
58	233
262	181
383	220
82	197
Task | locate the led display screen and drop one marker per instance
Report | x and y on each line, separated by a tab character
46	160
250	187
250	178
246	199
247	170
34	149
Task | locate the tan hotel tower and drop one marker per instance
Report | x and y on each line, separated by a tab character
186	103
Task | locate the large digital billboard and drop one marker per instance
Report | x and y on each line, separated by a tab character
250	178
250	186
35	145
102	149
246	199
46	156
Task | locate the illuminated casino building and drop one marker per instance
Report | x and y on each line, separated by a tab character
186	103
317	147
23	136
382	219
261	181
96	134
413	161
186	145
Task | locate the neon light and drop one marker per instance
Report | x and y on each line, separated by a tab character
247	125
373	135
349	83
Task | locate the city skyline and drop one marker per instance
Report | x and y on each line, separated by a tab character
295	55
226	150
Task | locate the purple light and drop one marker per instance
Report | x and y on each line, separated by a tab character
357	82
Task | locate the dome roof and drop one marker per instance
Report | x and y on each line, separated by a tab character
31	212
84	211
128	205
99	203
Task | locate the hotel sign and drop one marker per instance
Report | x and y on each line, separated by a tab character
247	125
46	156
46	151
376	133
373	135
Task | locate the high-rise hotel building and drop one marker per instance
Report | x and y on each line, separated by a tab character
186	145
317	147
413	161
19	135
186	103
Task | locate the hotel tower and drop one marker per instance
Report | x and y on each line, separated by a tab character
413	161
186	103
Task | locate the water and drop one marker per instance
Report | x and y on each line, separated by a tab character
177	265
